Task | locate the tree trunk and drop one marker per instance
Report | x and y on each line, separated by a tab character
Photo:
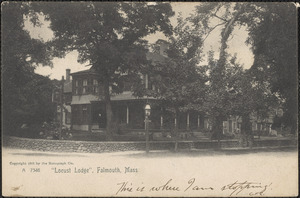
109	113
218	84
246	131
217	130
176	129
224	37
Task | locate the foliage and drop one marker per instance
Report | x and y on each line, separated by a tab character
272	35
225	15
107	35
25	95
179	83
50	130
274	43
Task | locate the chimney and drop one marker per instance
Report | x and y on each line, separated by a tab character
68	71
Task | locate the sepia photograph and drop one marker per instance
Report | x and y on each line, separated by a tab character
149	99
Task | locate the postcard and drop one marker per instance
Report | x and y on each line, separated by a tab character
149	99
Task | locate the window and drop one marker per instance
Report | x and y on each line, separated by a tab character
76	89
224	126
95	82
96	89
84	88
85	82
95	86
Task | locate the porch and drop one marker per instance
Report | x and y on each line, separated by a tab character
129	116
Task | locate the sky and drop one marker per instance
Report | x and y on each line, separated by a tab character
236	44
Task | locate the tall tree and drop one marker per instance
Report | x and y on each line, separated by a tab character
20	54
272	35
226	16
217	101
179	83
274	44
249	99
110	36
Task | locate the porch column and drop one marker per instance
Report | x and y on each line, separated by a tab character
198	122
161	121
146	81
175	122
188	121
89	118
127	114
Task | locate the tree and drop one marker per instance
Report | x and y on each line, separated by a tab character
217	103
179	83
272	35
110	36
20	54
274	44
227	16
249	99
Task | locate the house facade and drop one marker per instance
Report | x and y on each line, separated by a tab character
259	125
84	107
89	112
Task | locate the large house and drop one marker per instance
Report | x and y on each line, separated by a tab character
84	106
88	106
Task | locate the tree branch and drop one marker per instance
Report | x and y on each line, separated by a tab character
212	30
220	17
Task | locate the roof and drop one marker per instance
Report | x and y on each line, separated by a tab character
87	71
87	99
84	99
126	95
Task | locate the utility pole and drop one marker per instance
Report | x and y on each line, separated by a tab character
147	134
